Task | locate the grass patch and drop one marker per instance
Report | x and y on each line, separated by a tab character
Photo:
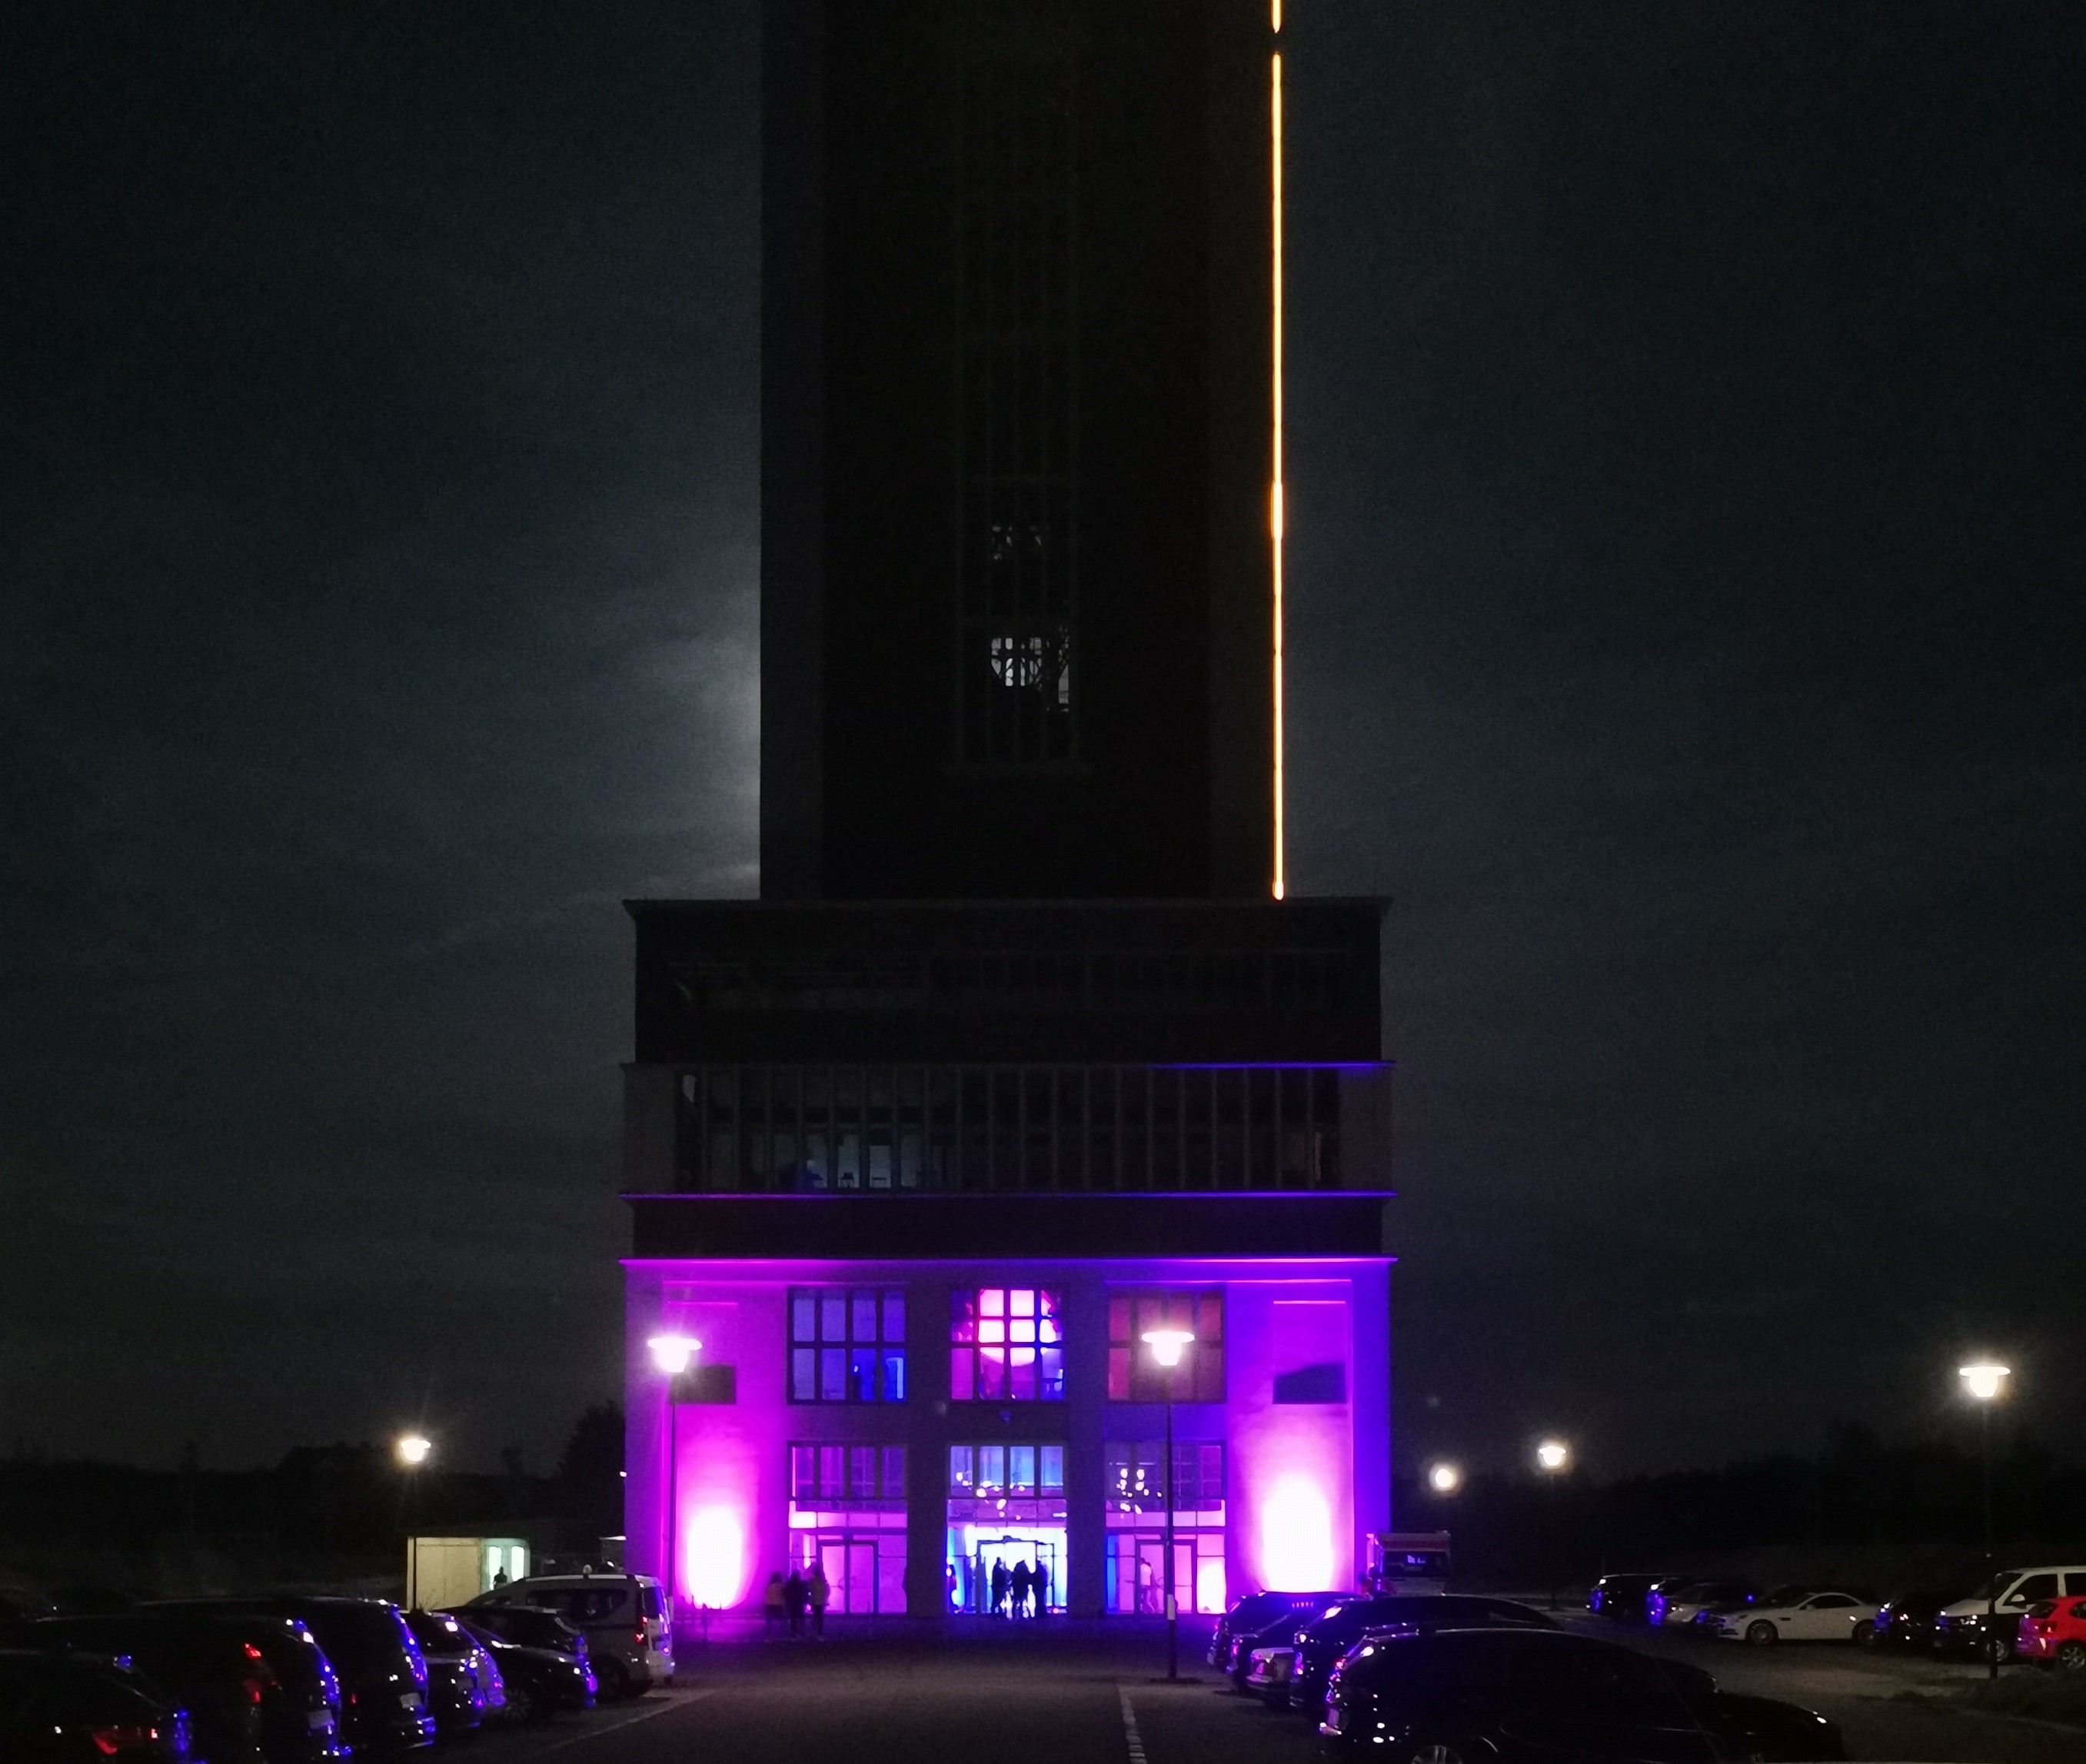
2030	1690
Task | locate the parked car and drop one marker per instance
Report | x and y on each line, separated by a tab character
1321	1643
1518	1695
630	1640
1987	1622
1907	1621
1620	1598
1824	1616
461	1678
65	1708
1688	1602
2055	1630
539	1681
243	1707
1254	1612
1280	1633
383	1677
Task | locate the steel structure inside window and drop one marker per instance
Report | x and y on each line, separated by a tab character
1134	1376
1016	592
1135	1477
1006	1346
847	1344
841	1476
1110	1129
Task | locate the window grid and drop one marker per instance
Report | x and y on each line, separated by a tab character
1134	1376
1016	590
756	1129
847	1344
1135	1484
1006	1346
835	1475
1015	1470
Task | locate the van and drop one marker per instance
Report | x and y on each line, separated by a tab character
1988	1622
630	1642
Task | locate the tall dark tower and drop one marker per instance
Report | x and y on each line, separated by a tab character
1017	415
1019	1055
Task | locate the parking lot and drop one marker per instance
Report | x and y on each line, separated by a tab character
1081	1692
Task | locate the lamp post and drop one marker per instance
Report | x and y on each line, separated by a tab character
1984	1380
411	1451
672	1354
1553	1455
1167	1345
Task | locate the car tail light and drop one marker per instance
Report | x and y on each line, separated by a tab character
639	1638
108	1741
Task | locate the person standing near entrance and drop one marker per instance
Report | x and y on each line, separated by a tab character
998	1587
821	1592
771	1604
793	1600
1019	1582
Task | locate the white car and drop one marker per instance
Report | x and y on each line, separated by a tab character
1818	1617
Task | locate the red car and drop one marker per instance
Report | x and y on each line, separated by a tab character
2056	1630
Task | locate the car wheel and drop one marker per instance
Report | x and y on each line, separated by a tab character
2071	1657
1865	1634
1761	1634
1437	1752
1997	1649
522	1704
611	1680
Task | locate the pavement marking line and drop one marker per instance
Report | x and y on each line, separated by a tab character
642	1715
1130	1726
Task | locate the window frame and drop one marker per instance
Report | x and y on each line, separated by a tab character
828	1370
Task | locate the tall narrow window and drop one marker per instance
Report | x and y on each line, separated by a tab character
1016	598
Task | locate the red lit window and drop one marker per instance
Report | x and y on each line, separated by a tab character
1006	1346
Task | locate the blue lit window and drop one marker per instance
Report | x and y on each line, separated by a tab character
847	1344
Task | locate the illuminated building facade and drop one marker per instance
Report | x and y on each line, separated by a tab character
1021	1053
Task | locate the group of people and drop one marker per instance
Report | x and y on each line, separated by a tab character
1012	1589
790	1598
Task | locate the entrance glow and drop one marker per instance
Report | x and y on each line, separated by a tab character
1295	1537
714	1563
1275	510
1445	1479
1553	1455
1983	1378
413	1449
671	1354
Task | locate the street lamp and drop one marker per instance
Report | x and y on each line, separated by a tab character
411	1451
672	1355
1167	1346
1984	1381
1444	1478
1553	1455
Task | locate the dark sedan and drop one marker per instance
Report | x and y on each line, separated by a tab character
1522	1696
456	1678
1321	1643
1907	1621
1620	1598
84	1709
539	1681
1257	1612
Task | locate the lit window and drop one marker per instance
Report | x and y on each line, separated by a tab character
1006	1346
1133	1375
1016	1470
847	1344
1136	1481
839	1476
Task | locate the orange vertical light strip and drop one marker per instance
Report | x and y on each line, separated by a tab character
1275	512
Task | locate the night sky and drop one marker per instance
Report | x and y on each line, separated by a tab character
1687	538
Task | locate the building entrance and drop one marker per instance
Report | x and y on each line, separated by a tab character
865	1569
974	1552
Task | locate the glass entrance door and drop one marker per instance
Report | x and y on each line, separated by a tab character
1041	1547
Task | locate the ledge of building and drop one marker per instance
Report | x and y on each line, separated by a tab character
886	1227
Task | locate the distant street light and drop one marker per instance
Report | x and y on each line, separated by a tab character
672	1355
1553	1455
412	1450
1444	1478
1984	1381
1167	1346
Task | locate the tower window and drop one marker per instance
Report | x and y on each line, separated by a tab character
1015	592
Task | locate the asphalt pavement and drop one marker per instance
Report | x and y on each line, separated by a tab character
1062	1693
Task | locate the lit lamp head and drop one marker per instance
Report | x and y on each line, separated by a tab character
1444	1478
413	1449
1984	1379
1553	1455
671	1354
1167	1345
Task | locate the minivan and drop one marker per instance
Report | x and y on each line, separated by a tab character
630	1642
1988	1622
